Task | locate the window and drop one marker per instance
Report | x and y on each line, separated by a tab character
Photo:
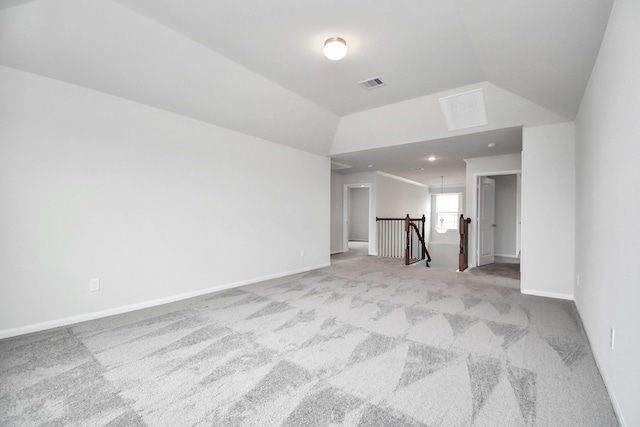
447	211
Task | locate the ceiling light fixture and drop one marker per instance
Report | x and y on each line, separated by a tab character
335	48
431	158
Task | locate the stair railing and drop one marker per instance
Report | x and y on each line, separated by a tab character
390	237
416	250
403	238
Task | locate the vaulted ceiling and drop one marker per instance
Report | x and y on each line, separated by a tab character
542	50
257	66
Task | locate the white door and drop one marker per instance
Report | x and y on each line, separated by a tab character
486	220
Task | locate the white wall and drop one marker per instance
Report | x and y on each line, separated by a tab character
339	183
421	119
607	204
396	198
506	215
359	214
106	46
482	166
388	197
548	211
156	205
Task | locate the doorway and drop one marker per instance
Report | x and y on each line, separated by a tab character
498	214
356	217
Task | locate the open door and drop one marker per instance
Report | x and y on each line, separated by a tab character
486	221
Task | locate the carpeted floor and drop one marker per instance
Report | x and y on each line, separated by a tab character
501	269
365	342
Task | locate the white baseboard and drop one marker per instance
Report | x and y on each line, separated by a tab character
605	377
36	327
339	251
507	255
555	295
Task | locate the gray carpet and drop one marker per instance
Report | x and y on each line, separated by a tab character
502	269
365	342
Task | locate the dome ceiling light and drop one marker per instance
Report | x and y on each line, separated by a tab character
335	48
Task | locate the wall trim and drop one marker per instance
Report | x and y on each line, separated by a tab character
555	295
507	255
603	374
65	321
398	178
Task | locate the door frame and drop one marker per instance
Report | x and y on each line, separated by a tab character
346	211
476	180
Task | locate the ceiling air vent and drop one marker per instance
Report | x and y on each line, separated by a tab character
371	83
464	110
335	166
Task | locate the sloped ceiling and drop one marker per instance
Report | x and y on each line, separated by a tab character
257	66
542	50
101	45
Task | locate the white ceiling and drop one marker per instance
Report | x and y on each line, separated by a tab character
543	50
403	160
257	67
4	4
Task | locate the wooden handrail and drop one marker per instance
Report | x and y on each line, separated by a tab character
410	225
463	258
407	230
401	219
425	252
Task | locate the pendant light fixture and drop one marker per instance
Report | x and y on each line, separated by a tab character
335	48
441	229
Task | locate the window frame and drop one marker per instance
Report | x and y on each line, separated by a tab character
456	214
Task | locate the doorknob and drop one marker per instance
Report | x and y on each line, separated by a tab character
493	225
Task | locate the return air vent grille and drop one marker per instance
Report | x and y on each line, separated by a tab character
371	83
464	110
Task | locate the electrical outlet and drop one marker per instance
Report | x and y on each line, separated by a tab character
612	337
302	253
94	285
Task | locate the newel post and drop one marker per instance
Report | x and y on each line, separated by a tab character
407	254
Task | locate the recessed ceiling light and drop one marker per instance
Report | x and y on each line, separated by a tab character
369	166
491	145
335	48
431	158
